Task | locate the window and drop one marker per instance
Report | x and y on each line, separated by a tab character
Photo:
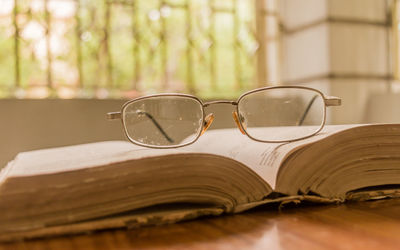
125	48
395	39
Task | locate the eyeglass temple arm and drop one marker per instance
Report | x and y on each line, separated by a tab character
157	125
117	115
329	101
303	117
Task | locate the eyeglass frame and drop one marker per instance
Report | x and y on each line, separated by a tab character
328	101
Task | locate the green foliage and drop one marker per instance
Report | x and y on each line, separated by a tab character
145	46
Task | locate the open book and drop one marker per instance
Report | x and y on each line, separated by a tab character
117	184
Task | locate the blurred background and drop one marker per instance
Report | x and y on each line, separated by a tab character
65	63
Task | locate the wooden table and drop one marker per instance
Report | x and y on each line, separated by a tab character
364	225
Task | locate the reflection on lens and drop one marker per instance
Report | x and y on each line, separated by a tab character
282	114
163	120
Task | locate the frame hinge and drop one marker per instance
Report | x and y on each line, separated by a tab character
113	115
333	101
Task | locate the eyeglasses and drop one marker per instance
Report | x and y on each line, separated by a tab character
270	114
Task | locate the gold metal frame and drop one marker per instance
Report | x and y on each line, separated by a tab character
328	100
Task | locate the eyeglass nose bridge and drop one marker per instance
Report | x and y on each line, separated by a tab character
237	118
220	102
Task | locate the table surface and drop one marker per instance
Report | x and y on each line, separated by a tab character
362	225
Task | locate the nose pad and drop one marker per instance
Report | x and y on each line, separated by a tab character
207	122
236	118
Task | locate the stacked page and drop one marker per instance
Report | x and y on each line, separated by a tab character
117	184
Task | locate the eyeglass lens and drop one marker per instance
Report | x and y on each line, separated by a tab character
281	114
163	120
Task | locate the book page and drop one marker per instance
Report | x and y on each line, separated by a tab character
263	158
77	157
